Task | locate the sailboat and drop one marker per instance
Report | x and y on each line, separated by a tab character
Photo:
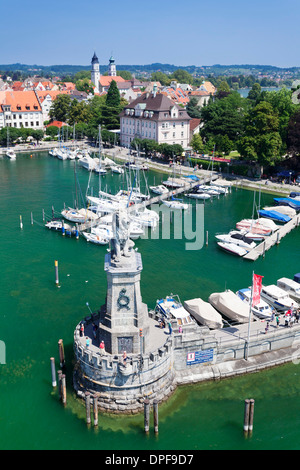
9	152
98	167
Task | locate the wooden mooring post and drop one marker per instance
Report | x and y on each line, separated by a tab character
56	272
95	410
155	415
88	407
61	353
64	389
146	415
248	417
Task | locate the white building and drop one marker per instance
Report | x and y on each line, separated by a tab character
155	116
20	109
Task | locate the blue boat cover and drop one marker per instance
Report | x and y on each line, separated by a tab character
297	277
294	194
274	215
287	201
193	177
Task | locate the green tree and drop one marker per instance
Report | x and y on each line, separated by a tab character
160	77
60	108
193	109
113	95
197	143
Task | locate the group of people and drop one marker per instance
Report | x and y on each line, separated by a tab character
290	317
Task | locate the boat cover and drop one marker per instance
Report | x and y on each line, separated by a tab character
274	215
286	210
230	305
294	194
288	201
204	313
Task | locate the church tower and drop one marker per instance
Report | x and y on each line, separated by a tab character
95	72
112	67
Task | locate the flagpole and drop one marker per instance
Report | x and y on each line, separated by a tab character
250	309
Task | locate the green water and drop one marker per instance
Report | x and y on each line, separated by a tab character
35	314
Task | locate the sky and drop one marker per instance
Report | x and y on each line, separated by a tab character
195	32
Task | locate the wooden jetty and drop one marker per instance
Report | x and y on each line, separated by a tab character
273	239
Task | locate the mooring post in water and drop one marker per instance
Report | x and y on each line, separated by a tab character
277	239
251	416
21	223
64	389
95	409
88	407
146	415
43	215
206	237
52	360
59	374
56	272
155	415
61	353
246	416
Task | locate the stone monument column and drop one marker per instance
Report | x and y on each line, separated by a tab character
124	314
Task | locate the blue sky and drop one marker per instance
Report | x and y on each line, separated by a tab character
194	32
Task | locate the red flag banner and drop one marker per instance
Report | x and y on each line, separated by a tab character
256	289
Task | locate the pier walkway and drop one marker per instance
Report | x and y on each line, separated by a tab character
273	239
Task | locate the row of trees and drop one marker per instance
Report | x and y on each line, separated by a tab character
262	127
22	134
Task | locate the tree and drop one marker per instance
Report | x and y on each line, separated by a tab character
85	85
182	76
293	134
193	109
197	143
52	131
160	77
60	108
113	95
261	140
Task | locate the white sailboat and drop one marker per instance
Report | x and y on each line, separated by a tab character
9	152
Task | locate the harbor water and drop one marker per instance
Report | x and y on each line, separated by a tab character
35	314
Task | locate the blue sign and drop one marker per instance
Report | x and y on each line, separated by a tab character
198	357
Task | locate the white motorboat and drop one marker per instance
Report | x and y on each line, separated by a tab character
100	170
57	225
171	308
53	152
105	206
174	183
262	310
176	204
204	313
117	169
233	249
98	239
11	154
238	239
255	237
159	189
219	189
291	287
201	196
230	305
61	154
135	229
278	298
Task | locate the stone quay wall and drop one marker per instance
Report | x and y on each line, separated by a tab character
122	388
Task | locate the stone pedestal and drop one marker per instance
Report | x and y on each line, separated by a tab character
124	322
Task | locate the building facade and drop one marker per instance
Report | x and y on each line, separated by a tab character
20	109
154	116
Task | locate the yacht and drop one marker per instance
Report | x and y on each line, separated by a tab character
145	217
159	189
201	196
11	154
291	287
117	169
176	204
278	298
238	239
87	162
232	248
262	310
78	215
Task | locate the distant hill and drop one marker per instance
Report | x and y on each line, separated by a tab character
217	69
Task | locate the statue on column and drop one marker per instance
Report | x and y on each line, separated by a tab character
120	244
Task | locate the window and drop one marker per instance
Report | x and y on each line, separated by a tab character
174	134
37	123
31	124
182	134
182	124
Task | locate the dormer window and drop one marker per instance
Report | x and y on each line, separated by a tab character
27	106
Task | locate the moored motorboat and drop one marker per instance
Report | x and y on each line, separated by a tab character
278	298
176	204
159	189
262	310
274	215
286	210
198	195
171	308
238	239
290	286
230	305
10	154
233	249
204	313
117	169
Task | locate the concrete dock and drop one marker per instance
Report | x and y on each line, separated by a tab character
273	239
